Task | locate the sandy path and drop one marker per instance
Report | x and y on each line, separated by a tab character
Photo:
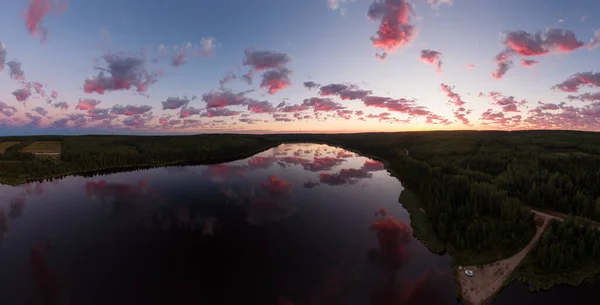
488	279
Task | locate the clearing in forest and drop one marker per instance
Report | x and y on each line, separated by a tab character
43	147
488	279
6	145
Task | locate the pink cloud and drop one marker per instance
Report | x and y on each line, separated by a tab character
521	43
54	94
217	112
394	29
277	186
98	114
372	166
397	105
322	104
6	109
87	104
537	44
130	110
175	103
15	70
122	73
276	80
136	121
508	103
22	94
528	62
222	98
61	105
260	107
585	97
433	58
470	66
455	99
345	92
37	10
292	108
318	164
502	68
41	111
188	111
60	123
263	60
577	80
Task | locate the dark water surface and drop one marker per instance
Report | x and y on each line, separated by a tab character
297	224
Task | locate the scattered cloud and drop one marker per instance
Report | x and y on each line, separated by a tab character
87	104
585	97
7	110
60	123
219	98
130	110
122	73
433	58
217	112
41	111
61	105
22	94
263	60
15	71
395	29
577	80
276	79
508	103
321	104
36	11
188	111
175	103
311	85
521	43
528	62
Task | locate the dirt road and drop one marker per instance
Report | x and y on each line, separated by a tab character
488	279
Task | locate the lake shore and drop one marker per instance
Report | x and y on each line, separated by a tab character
488	279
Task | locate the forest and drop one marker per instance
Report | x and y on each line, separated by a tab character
567	253
95	153
475	187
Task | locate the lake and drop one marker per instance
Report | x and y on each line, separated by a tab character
296	224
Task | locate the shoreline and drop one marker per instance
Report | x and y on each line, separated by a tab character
17	181
489	279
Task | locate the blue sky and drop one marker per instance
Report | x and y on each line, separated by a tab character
325	46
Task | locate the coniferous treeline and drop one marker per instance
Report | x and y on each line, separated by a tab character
567	252
90	153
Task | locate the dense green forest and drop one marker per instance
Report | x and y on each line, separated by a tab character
474	187
567	253
93	153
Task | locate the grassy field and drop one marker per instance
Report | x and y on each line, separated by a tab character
47	147
5	145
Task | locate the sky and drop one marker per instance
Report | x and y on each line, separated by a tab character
271	66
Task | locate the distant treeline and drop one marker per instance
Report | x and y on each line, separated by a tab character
94	153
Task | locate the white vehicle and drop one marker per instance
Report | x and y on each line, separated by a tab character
469	272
